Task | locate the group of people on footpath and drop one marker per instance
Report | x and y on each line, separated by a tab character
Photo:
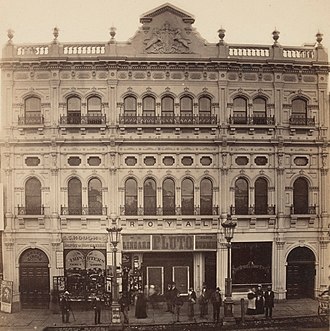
260	302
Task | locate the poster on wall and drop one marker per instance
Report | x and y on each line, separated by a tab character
6	295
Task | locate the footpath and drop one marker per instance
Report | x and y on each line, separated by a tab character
292	311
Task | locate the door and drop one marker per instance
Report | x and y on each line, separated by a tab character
34	279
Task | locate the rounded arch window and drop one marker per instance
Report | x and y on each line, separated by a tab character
187	197
131	202
149	194
168	197
206	193
74	197
186	106
300	196
33	197
94	197
241	196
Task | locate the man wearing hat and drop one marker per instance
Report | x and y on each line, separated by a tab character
216	301
65	307
259	300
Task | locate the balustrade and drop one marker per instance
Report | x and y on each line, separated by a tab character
249	51
305	210
78	119
31	120
253	210
302	120
30	210
163	120
254	120
84	211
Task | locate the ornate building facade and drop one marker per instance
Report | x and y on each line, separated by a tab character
164	135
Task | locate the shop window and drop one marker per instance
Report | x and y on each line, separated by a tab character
94	197
131	161
206	161
168	160
94	161
240	111
167	107
181	278
259	111
187	197
74	161
242	160
187	161
149	160
155	279
168	197
300	196
300	161
131	203
148	106
32	109
32	161
261	196
74	197
186	106
130	106
33	197
261	160
206	192
241	197
74	110
204	105
149	195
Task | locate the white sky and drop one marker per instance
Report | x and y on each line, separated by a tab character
246	21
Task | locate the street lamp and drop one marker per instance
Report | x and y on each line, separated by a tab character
229	228
114	235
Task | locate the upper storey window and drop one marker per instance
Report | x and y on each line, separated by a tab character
74	197
240	111
33	197
259	111
204	104
206	202
149	195
130	106
148	106
94	197
74	110
187	197
300	196
186	106
94	105
167	106
241	196
299	112
131	195
32	109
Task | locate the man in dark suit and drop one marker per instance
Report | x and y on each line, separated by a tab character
269	302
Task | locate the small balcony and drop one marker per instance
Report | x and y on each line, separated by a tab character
308	210
252	210
251	120
31	210
81	120
31	120
84	211
301	120
168	120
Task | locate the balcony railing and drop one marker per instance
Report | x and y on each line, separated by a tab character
252	120
31	210
252	210
162	212
83	120
31	120
84	211
164	120
309	210
302	120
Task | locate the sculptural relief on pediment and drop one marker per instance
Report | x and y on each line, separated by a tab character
167	40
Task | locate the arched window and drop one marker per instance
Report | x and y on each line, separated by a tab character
187	197
74	197
261	196
300	196
206	191
94	109
94	197
130	106
167	107
241	197
32	109
131	202
74	110
148	106
168	197
204	105
240	111
299	112
259	111
186	106
149	194
33	197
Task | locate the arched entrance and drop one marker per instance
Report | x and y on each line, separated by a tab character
300	273
34	279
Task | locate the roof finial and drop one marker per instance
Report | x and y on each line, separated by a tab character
112	34
276	35
221	34
319	38
10	34
55	34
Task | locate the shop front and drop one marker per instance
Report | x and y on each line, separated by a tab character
161	259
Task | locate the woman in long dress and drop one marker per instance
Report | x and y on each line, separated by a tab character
141	306
251	308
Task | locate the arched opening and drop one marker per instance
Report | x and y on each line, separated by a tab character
300	273
34	279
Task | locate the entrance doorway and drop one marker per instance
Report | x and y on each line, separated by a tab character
300	274
34	279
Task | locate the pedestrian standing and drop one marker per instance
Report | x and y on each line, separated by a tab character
124	306
65	307
203	302
269	302
251	308
141	306
178	303
259	300
168	298
216	301
97	306
191	303
174	293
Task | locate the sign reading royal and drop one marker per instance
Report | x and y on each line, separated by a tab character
168	242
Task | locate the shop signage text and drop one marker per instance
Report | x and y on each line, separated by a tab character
172	242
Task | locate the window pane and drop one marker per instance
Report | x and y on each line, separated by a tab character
261	198
299	106
149	191
300	196
168	197
74	104
130	105
186	106
32	105
167	104
206	197
259	105
241	197
148	106
33	197
130	197
187	197
95	197
74	197
94	104
205	104
240	106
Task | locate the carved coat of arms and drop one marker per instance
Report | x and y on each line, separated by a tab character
167	40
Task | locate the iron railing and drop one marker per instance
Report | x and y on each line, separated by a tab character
84	211
31	120
252	120
163	120
83	120
302	120
252	210
30	210
303	210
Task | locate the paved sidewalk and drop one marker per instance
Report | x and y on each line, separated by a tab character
37	319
